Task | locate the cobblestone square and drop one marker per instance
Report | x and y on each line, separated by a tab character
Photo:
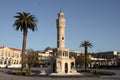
5	76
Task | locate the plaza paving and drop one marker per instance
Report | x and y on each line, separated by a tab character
5	76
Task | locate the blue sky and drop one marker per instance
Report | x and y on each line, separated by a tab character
95	20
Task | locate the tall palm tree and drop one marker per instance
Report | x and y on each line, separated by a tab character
86	44
23	22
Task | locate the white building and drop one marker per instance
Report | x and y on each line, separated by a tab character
44	58
10	57
109	58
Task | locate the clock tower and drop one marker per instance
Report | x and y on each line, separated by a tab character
60	30
63	63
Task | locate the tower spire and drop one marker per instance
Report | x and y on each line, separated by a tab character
60	10
60	30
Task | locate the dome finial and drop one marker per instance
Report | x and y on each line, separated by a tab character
60	10
61	14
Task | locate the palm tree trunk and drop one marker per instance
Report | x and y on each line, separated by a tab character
86	58
30	67
24	49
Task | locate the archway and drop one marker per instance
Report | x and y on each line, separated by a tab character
72	65
66	67
54	67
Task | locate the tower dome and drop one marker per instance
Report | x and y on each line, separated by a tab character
61	14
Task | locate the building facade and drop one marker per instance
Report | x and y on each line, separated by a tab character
45	58
109	58
10	57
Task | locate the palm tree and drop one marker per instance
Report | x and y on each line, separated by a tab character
86	44
24	21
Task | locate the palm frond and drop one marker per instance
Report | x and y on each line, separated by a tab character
25	20
86	43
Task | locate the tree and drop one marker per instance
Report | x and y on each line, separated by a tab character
86	44
23	22
80	59
31	59
48	48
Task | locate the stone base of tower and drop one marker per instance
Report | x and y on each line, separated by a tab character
66	74
63	64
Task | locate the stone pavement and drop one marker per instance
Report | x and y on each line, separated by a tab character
5	76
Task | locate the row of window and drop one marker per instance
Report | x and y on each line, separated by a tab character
65	53
10	55
10	62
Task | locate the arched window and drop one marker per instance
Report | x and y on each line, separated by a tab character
59	64
72	65
66	67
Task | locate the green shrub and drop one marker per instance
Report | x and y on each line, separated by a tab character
88	71
17	73
103	73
